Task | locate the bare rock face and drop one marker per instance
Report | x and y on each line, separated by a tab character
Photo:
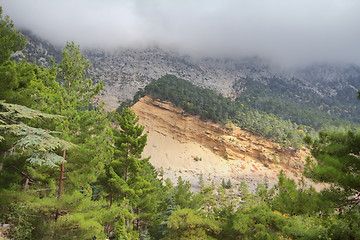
124	71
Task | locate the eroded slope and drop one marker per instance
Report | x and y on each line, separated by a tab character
183	145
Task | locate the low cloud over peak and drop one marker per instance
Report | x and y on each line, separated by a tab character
287	31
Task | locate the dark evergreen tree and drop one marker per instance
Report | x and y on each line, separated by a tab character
128	175
337	163
123	172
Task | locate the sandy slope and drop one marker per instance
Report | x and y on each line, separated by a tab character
183	145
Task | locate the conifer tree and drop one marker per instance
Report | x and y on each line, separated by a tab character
337	163
39	144
189	224
18	80
80	124
128	175
10	39
182	193
123	172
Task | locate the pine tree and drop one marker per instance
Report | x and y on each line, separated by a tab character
19	81
123	172
182	193
128	175
80	123
189	224
10	39
228	184
337	162
201	181
39	144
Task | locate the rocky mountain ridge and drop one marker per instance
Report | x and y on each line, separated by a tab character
124	71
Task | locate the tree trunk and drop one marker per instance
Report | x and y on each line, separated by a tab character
62	169
138	225
26	186
126	174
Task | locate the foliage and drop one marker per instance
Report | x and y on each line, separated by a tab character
301	106
79	91
212	106
10	39
111	191
182	193
20	226
297	199
337	163
39	143
123	172
187	224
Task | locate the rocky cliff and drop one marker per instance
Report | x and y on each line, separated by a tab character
124	71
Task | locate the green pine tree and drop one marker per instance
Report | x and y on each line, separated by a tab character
123	172
128	175
10	39
86	127
38	143
337	163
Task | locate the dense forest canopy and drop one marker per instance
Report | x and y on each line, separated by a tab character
97	185
212	106
301	106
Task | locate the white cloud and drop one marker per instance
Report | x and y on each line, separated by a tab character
289	31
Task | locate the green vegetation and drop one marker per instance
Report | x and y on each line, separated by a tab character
215	107
337	163
86	177
38	143
301	106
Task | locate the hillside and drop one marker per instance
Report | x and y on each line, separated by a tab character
183	145
328	89
224	165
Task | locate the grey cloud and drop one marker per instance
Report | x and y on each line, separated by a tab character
288	31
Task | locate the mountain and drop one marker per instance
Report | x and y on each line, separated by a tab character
184	145
323	88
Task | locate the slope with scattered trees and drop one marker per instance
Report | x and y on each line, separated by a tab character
215	107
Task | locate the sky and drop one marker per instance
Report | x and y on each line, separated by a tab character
286	31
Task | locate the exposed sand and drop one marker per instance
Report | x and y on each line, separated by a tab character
182	145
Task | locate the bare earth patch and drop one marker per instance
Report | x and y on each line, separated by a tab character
183	145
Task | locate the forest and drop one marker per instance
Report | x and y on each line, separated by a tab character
70	170
258	111
301	106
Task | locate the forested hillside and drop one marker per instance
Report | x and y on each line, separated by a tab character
300	105
325	88
70	170
277	125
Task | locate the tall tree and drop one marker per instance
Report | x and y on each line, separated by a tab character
128	175
18	80
123	172
337	163
77	94
10	39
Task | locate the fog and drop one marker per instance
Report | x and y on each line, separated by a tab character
286	31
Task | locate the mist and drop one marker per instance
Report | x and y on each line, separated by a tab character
288	32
